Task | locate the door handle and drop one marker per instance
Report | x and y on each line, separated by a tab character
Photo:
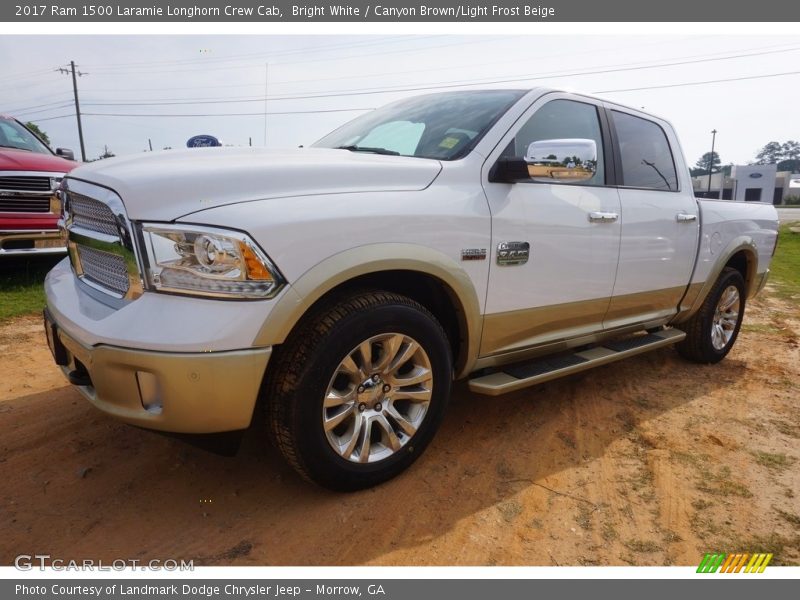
602	217
685	218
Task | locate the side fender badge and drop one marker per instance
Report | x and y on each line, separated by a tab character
511	254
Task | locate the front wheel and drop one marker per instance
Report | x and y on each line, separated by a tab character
358	391
712	331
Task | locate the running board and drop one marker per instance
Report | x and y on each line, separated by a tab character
511	378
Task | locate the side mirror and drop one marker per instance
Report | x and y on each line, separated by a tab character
570	160
65	153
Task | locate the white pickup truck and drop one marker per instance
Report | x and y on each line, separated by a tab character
504	236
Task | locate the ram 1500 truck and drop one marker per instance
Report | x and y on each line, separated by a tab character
29	207
504	236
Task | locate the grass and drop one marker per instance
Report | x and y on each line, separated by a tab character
778	462
785	267
22	286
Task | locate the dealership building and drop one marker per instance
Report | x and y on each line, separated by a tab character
752	183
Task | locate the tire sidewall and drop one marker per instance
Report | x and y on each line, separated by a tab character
316	453
728	278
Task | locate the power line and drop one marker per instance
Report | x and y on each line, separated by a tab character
447	85
254	114
689	83
267	55
54	106
37	120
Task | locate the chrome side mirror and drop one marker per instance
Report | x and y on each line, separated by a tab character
569	160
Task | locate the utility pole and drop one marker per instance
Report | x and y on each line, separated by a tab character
711	159
72	71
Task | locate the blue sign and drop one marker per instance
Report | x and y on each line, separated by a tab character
202	141
756	175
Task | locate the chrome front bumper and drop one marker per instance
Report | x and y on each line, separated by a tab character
35	242
206	392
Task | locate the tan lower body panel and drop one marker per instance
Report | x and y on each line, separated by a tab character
515	330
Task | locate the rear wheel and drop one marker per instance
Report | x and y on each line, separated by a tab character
357	392
712	331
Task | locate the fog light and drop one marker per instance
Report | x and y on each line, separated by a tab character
149	392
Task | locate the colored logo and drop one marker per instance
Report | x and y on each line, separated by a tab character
734	563
202	141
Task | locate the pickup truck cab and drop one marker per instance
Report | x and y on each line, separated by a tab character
504	236
29	206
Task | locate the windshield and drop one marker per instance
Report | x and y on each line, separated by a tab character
442	126
14	135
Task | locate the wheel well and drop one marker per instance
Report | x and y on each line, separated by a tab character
742	261
429	291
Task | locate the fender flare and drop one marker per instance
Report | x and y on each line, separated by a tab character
375	258
738	244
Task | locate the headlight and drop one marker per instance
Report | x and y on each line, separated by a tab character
190	259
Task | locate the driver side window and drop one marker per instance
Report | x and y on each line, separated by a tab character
562	120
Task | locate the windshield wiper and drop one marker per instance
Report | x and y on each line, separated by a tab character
15	147
355	148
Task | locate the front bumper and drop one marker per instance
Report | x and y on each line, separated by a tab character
206	392
30	242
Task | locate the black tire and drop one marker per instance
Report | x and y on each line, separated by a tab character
304	366
698	346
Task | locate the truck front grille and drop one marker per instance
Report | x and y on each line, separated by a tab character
105	269
92	214
26	194
21	203
100	242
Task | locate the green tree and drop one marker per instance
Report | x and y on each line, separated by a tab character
41	134
791	150
708	161
770	154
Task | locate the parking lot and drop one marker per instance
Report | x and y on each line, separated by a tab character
651	461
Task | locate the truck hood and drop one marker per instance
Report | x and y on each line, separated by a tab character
21	160
167	185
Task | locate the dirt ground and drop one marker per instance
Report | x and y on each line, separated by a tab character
650	461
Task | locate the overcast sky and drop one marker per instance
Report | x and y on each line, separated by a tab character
123	73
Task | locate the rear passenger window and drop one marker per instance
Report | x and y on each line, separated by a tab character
646	157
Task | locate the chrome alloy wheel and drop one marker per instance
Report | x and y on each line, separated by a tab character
726	317
377	398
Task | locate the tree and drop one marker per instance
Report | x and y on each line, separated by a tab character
706	162
792	165
770	154
790	150
41	134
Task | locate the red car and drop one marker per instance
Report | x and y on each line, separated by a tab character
29	175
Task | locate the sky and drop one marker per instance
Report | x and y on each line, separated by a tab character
220	81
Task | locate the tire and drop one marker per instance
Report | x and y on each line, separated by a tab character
712	331
321	373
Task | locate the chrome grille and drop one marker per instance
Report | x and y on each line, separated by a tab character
91	214
100	241
105	269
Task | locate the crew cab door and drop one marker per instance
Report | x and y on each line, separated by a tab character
659	216
561	286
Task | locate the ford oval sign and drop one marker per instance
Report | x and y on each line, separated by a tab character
202	141
756	175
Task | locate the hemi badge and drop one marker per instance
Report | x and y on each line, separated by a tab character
473	254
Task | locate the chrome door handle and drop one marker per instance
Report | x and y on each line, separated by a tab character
685	218
602	217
